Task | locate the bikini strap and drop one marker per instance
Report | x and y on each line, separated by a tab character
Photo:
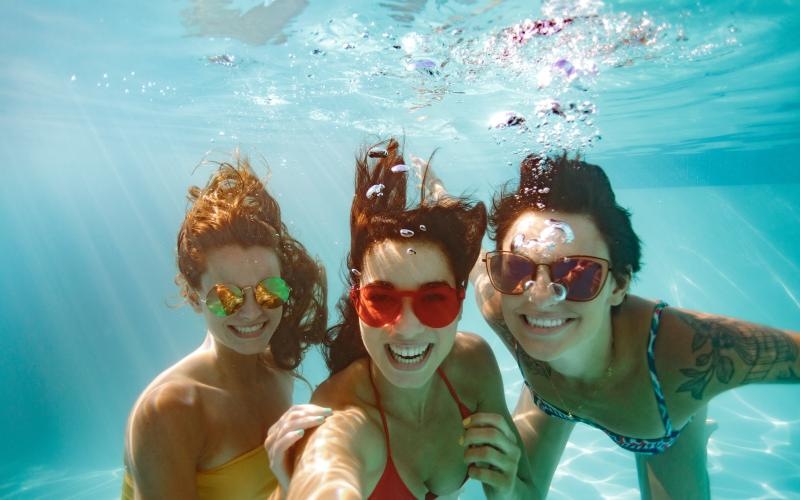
380	410
462	408
651	364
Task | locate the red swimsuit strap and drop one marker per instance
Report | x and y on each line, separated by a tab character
462	408
383	415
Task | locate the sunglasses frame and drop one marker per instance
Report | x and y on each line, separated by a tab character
243	289
605	265
355	298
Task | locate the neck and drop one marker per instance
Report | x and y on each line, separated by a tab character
234	366
405	403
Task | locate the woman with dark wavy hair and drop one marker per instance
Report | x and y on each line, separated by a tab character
418	407
197	430
555	290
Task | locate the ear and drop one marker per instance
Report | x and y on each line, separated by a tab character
621	287
194	300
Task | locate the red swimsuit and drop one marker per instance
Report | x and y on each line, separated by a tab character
391	486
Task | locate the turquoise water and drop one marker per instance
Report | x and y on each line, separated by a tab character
108	108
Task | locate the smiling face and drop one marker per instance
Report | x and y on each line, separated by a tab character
545	327
407	352
250	328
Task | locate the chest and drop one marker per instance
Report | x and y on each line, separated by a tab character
238	419
429	457
627	406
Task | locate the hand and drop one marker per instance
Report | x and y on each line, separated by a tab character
434	187
286	432
492	452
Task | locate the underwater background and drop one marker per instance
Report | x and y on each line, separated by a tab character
111	110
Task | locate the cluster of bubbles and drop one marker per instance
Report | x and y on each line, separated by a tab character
554	233
548	67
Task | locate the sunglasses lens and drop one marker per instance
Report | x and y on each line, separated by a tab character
272	292
377	305
583	278
436	306
509	272
224	300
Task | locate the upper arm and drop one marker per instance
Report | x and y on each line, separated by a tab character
489	302
164	442
337	459
704	355
544	438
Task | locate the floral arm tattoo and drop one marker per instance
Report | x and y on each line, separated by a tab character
765	354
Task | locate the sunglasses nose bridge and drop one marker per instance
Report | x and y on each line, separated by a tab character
249	307
406	323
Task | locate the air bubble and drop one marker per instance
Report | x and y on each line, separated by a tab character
400	168
377	189
558	290
406	233
411	251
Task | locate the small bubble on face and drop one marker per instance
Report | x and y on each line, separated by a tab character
529	284
411	251
422	227
558	290
406	233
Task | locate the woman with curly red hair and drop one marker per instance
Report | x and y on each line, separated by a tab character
197	430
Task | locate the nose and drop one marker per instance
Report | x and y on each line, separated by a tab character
250	309
407	324
541	292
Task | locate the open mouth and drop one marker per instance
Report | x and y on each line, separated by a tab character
248	332
408	356
545	325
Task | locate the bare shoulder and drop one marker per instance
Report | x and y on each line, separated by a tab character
175	403
472	368
353	433
343	388
700	355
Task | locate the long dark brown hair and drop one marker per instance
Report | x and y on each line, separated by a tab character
234	208
454	224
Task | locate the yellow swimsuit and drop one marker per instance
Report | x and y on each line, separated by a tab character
247	476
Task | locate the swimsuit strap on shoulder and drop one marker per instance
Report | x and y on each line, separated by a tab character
651	364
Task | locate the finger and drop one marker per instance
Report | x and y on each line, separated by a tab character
288	420
277	452
492	478
490	420
490	436
492	458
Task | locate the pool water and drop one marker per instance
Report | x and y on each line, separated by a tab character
110	108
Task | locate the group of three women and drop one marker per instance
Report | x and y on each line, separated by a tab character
413	407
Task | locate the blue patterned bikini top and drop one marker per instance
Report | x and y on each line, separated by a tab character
647	446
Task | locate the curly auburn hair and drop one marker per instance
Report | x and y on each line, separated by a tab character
571	186
234	208
455	225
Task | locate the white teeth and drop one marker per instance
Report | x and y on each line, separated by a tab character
249	329
408	354
544	323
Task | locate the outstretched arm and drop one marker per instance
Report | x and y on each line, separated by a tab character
707	355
